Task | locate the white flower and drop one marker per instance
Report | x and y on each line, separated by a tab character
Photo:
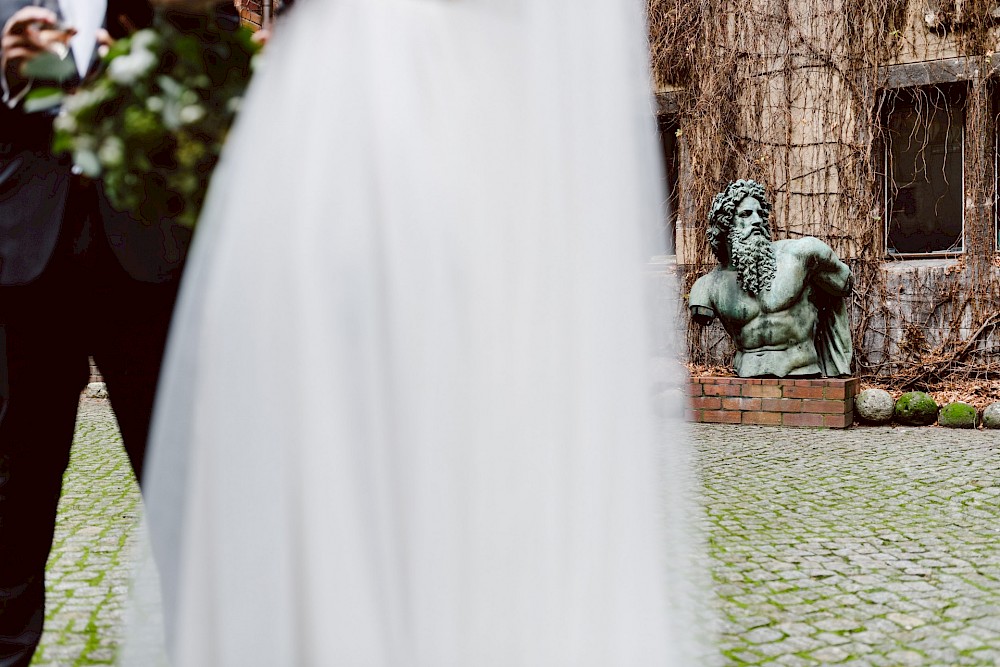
87	162
192	113
65	122
144	40
82	100
127	69
154	104
112	152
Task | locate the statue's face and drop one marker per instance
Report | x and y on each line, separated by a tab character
750	248
746	220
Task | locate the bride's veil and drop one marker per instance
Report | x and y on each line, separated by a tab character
420	404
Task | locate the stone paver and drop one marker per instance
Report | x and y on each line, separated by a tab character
88	570
868	546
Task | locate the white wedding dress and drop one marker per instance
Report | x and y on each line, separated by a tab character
405	417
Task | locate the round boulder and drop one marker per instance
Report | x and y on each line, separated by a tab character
874	406
957	415
96	390
915	408
991	416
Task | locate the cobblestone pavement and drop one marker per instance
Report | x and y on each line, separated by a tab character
869	546
87	574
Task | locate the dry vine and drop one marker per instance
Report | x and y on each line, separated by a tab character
791	93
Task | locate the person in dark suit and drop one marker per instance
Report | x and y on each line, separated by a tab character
77	279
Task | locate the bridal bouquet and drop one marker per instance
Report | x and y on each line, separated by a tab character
151	126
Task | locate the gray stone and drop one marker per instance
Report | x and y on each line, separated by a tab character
874	406
838	625
830	654
782	301
763	635
991	415
915	408
957	415
907	621
96	390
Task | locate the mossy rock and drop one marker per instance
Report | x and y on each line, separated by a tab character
915	408
957	415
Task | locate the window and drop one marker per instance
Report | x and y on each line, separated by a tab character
995	126
668	141
923	171
944	15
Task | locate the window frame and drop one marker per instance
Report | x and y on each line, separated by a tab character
958	92
671	179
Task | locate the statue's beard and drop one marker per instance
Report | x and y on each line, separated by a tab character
753	259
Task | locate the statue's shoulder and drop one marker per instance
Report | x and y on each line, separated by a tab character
710	278
703	290
803	247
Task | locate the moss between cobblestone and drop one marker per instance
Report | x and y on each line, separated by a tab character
93	643
96	515
875	518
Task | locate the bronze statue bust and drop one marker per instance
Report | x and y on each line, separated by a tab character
782	302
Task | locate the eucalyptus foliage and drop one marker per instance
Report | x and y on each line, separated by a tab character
152	124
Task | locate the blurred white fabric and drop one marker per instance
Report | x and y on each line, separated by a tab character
405	416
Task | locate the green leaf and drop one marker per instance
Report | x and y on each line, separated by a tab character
42	99
118	48
47	66
63	143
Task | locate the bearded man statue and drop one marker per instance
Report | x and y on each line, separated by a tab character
781	301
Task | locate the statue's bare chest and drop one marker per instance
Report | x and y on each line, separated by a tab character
787	290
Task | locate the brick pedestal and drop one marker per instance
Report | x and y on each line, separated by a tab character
825	402
95	372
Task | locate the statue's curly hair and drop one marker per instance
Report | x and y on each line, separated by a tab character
720	217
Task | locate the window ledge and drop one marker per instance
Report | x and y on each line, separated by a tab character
903	264
661	261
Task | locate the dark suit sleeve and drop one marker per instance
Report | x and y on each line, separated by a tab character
227	15
19	130
126	15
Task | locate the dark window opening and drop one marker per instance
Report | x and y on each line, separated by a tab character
924	161
668	142
995	125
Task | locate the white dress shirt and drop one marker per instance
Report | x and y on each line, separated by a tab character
87	16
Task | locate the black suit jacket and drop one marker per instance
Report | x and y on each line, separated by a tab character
34	185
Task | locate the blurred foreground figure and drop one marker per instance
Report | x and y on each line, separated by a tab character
405	418
77	279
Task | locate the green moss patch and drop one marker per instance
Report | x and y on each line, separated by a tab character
957	415
915	408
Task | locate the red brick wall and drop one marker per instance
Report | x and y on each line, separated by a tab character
252	11
95	372
825	402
